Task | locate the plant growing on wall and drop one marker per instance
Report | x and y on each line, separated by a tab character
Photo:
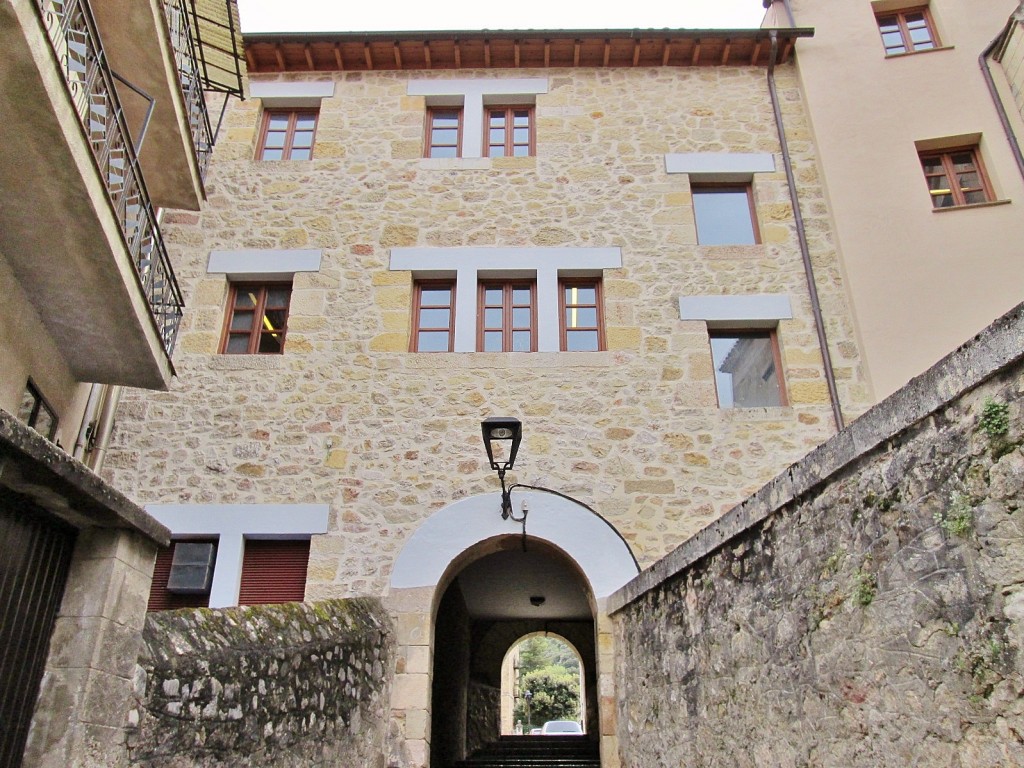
995	418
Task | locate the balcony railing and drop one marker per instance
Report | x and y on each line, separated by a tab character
183	42
72	33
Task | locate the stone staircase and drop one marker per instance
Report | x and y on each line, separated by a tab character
536	752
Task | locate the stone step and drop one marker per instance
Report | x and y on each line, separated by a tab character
535	752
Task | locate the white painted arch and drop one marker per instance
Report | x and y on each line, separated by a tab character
598	550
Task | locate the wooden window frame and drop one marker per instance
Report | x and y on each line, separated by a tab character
428	145
256	332
773	338
417	306
959	201
698	187
564	331
293	116
509	110
901	20
39	403
507	286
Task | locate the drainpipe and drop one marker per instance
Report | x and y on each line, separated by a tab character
82	441
105	427
1000	107
805	252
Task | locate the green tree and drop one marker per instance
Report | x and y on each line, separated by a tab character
555	696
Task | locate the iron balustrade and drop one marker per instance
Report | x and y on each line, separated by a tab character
71	30
183	42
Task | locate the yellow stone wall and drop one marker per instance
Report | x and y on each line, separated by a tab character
347	416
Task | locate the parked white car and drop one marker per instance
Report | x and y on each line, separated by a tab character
561	728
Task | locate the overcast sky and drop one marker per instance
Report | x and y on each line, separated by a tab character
399	15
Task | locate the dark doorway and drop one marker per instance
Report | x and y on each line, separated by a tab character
487	607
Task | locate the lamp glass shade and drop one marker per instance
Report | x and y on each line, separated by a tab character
502	436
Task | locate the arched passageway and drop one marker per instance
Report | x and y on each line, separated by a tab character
461	592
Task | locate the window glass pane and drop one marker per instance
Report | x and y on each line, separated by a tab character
492	318
975	196
497	150
435	297
303	139
245	299
443	152
28	404
435	318
580	294
444	136
492	341
962	161
723	216
521	117
274	140
580	317
270	343
521	135
432	341
241	321
932	164
305	122
274	319
272	154
921	38
300	154
497	120
521	341
278	297
942	200
969	180
888	24
45	423
521	151
238	345
745	371
893	42
521	317
445	120
581	341
497	135
278	123
521	295
492	296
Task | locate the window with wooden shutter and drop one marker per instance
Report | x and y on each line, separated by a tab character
160	598
273	571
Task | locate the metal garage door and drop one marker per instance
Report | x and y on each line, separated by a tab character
35	553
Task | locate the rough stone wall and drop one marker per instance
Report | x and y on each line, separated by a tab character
866	608
278	685
484	712
347	415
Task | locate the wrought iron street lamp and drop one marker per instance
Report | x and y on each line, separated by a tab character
502	436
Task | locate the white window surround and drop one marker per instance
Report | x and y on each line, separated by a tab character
468	265
750	311
723	167
292	95
264	263
232	524
472	95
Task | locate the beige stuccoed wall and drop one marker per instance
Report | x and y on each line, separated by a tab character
921	282
27	350
349	417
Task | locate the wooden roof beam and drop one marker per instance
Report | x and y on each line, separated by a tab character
576	54
725	51
547	53
367	56
695	59
426	54
517	53
308	51
398	56
786	50
666	53
607	52
636	52
337	57
756	53
280	57
458	54
250	59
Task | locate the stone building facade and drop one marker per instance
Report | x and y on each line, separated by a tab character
385	442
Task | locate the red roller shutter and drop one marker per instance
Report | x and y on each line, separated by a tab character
273	571
162	600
